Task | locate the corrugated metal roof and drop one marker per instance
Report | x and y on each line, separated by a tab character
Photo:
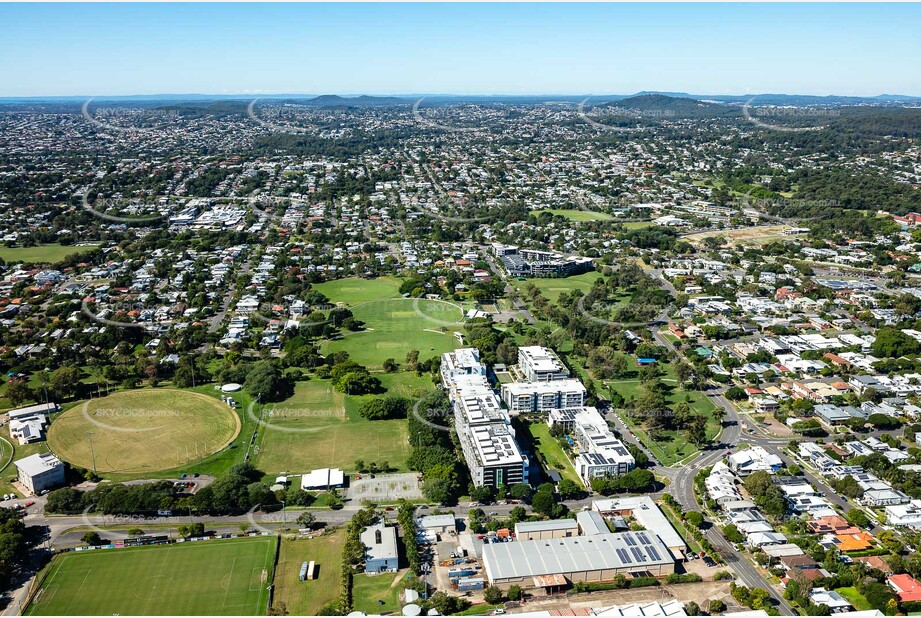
572	554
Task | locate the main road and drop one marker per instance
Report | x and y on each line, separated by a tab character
682	489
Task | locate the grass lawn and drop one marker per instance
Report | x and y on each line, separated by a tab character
7	470
478	610
578	215
552	287
355	290
144	430
636	225
548	450
213	578
318	427
396	326
41	254
853	597
367	590
307	597
19	451
669	446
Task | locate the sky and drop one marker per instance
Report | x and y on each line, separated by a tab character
125	49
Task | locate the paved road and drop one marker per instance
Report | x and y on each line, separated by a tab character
682	489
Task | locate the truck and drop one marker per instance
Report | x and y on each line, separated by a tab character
471	583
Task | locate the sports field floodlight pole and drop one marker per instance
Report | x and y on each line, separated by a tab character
92	451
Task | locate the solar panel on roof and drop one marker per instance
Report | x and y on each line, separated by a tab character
653	552
643	538
623	556
637	554
630	540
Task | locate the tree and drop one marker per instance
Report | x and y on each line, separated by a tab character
857	518
483	494
893	343
694	518
390	365
515	592
64	382
683	372
18	392
568	489
716	607
692	609
306	520
697	430
91	538
521	491
734	393
412	358
493	595
440	490
543	502
358	383
517	514
732	533
263	381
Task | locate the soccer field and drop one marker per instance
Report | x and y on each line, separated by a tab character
207	578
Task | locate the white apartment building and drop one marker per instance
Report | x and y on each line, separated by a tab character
522	397
485	433
461	362
601	453
539	364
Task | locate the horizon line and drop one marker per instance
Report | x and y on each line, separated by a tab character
258	95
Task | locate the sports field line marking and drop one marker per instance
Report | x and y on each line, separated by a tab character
46	595
255	578
85	577
159	575
230	579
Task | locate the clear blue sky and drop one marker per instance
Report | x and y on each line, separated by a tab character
123	49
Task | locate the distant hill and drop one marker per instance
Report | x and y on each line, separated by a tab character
665	106
337	101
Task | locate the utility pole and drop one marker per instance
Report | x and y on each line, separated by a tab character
284	523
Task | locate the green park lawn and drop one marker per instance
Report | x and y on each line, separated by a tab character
552	287
548	450
41	254
578	215
668	446
307	597
355	290
367	590
394	327
204	578
318	427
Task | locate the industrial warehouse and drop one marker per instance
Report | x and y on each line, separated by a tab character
557	562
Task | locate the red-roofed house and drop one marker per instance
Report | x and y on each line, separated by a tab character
906	587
